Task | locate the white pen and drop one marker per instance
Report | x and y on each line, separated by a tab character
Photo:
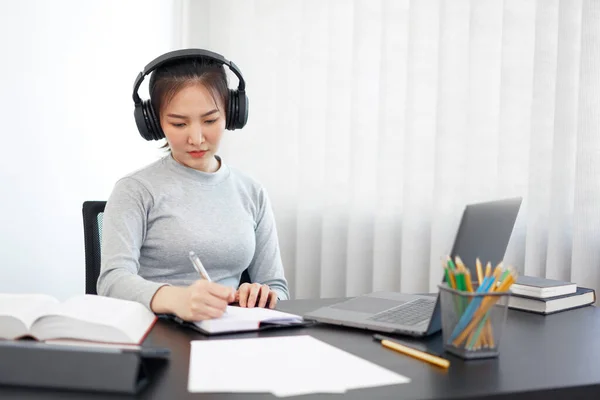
198	266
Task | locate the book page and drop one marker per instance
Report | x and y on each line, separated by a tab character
129	317
27	307
92	345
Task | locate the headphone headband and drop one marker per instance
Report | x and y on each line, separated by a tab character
182	54
146	119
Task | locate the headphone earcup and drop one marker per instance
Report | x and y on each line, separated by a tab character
154	121
229	113
146	121
237	110
242	109
141	121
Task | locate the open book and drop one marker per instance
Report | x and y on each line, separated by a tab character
86	317
239	319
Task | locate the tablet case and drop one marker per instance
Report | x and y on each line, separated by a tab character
37	364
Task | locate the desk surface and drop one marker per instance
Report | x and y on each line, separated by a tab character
556	356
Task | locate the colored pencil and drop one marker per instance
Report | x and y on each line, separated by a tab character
409	351
485	306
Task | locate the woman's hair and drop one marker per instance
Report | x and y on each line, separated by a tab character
167	80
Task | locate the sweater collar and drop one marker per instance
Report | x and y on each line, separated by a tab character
205	178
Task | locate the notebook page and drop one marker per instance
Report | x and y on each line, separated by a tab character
240	319
27	307
260	314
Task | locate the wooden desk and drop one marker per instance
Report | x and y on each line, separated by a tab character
553	357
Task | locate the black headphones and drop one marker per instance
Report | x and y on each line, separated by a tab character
145	117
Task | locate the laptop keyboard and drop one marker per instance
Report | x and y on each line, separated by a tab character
410	313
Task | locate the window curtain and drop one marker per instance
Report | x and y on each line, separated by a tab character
372	123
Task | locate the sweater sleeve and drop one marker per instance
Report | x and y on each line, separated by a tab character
266	267
123	231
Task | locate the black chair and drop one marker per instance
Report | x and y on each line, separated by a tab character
93	212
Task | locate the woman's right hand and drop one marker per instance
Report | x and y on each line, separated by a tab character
201	300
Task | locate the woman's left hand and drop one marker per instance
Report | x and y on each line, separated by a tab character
256	295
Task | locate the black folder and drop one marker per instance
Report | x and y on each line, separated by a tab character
41	365
262	326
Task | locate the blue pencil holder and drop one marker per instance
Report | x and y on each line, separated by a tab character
472	323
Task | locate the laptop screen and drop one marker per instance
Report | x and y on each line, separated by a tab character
485	231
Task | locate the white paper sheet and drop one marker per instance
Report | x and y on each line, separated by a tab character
284	366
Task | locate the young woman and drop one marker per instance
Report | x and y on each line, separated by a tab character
190	200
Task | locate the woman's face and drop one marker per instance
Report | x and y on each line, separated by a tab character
194	126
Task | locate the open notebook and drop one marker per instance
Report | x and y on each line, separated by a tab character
86	317
239	319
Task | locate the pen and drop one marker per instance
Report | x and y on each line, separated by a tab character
198	266
418	354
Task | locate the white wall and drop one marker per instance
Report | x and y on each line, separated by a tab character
67	126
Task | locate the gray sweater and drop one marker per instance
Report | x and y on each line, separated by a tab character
156	215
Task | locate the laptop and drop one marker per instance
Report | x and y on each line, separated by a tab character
485	230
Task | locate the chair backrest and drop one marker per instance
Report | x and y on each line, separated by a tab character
93	212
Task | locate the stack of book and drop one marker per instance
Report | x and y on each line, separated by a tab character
547	296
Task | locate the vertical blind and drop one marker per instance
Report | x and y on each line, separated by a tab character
372	124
